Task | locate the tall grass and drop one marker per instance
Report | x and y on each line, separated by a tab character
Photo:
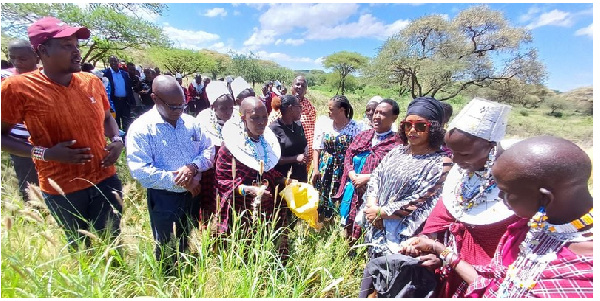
37	263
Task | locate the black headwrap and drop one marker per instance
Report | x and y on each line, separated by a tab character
426	107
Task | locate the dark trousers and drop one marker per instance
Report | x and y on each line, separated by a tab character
123	112
26	173
171	212
96	206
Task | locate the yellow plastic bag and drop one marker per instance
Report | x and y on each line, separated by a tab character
303	200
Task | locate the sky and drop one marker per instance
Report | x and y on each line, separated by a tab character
299	35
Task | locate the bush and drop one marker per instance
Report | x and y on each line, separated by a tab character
524	113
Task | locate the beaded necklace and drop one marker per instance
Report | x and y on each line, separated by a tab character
263	143
216	126
541	244
468	198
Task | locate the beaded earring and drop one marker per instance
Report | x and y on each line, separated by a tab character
538	221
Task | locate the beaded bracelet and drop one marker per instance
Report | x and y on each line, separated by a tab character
241	190
38	152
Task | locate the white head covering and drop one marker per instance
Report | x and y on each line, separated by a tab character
238	85
229	79
482	118
215	90
178	75
376	99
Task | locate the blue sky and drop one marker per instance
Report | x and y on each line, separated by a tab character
299	35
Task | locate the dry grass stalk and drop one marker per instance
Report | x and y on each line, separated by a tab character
48	237
56	187
89	234
34	193
11	207
32	214
8	222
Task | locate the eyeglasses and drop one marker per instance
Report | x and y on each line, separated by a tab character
420	126
172	107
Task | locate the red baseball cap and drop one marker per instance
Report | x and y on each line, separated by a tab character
49	27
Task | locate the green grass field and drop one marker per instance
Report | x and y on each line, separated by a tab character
36	262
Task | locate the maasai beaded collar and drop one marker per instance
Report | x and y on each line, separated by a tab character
215	125
540	247
466	198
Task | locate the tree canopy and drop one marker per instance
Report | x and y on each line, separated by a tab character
345	63
182	61
112	28
440	58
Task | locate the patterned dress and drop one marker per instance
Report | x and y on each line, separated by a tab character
332	145
401	180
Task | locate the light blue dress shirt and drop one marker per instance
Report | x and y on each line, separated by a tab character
155	149
119	83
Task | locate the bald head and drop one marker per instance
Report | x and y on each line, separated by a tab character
164	84
546	160
250	104
22	56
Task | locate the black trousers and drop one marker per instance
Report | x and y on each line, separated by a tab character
96	206
26	173
172	216
122	112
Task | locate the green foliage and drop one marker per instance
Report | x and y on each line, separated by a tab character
218	63
441	58
315	77
36	263
180	60
112	29
333	81
345	63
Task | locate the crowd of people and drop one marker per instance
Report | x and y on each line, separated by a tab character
446	208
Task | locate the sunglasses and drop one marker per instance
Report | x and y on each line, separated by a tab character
172	107
420	126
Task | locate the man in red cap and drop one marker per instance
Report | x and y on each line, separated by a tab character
67	114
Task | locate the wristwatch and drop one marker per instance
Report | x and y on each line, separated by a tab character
116	138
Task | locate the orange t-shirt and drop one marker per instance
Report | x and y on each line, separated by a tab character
54	113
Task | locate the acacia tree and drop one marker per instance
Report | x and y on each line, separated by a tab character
440	58
182	61
217	63
345	63
112	29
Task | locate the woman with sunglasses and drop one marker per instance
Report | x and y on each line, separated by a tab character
404	187
331	140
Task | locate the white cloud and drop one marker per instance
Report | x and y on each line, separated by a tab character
282	57
555	17
215	12
260	38
190	39
366	26
293	42
586	31
236	13
283	18
531	13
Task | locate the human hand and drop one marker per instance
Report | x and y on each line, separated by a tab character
430	261
194	185
372	212
61	152
360	180
114	151
300	158
184	175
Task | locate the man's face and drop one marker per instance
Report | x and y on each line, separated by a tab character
24	59
383	119
131	69
63	54
198	80
299	86
170	106
114	63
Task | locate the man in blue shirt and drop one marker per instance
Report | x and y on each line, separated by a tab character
167	152
121	93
